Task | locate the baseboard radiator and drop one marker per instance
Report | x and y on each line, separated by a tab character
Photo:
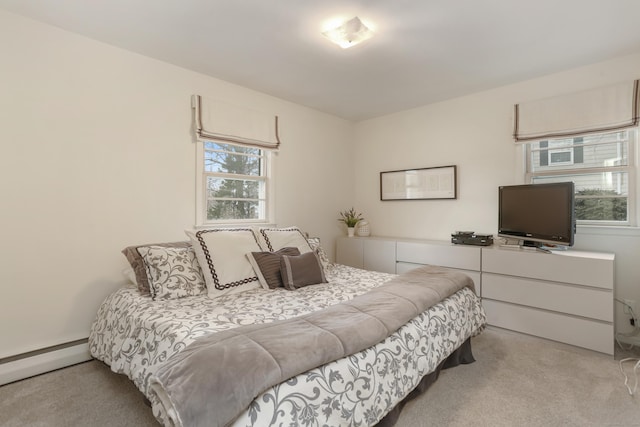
21	366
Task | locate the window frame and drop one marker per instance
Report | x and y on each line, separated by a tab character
553	151
568	170
201	188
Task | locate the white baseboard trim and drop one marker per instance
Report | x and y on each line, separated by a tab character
38	364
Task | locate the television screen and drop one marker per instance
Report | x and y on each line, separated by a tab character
537	213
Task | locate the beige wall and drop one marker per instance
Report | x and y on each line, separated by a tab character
96	154
474	133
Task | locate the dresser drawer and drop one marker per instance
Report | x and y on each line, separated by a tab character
443	254
583	268
403	267
595	303
572	330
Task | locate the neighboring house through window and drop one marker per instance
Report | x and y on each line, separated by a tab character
601	167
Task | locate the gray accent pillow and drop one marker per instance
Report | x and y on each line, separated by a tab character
267	266
137	262
301	270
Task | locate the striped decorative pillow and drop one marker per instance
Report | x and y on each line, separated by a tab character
267	266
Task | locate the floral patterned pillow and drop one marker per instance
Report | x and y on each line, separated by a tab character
137	263
172	272
314	242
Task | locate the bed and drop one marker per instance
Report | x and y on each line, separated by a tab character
140	334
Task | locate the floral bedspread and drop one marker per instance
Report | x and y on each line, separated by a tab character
135	335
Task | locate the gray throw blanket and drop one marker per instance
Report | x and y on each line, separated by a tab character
217	376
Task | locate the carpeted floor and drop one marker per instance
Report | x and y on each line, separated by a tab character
516	380
519	380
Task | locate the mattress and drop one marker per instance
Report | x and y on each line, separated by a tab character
134	335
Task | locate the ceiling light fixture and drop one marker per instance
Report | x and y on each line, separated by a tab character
349	33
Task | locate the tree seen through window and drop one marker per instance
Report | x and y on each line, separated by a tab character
235	182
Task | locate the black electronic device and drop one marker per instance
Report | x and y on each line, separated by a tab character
537	214
471	238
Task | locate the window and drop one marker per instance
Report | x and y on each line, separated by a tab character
233	183
601	167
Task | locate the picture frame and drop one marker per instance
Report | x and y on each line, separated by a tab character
434	183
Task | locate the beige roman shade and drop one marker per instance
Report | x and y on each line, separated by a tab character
602	109
220	121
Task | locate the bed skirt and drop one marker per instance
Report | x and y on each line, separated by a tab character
461	355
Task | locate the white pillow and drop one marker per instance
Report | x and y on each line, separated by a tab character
273	239
222	257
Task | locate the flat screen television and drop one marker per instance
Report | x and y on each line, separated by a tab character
537	214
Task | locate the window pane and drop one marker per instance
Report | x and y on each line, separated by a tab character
604	208
563	157
235	183
233	188
590	151
599	196
219	146
235	161
232	209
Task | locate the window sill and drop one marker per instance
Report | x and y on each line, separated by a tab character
608	230
234	225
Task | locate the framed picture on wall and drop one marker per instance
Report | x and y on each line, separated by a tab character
419	184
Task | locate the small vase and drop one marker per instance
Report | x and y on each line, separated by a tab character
350	231
363	229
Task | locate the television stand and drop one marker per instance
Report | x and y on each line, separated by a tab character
530	244
535	246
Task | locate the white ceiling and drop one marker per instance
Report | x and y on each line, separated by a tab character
424	51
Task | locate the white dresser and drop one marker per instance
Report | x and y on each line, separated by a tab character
369	253
391	255
413	253
565	296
